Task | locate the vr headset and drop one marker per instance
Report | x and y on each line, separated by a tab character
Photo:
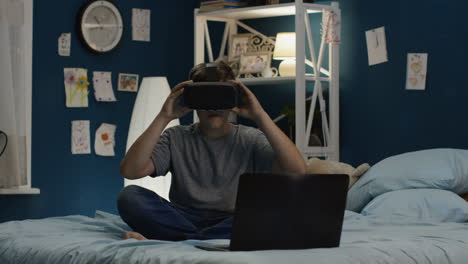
211	94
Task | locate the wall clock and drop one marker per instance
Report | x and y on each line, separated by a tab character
100	26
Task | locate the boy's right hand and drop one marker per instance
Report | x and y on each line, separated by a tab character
172	108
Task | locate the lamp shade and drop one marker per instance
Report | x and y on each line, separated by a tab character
151	96
285	47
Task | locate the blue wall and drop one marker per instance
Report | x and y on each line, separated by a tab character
81	184
379	117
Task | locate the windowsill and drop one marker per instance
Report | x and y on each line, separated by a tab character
20	190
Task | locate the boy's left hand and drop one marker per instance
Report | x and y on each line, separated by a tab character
251	107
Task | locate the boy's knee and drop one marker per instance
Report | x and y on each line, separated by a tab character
127	195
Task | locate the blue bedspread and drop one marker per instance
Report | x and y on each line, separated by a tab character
365	239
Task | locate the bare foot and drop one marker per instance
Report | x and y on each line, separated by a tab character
134	235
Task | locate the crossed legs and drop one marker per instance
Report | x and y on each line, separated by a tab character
152	217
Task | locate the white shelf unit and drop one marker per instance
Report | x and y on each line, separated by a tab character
330	122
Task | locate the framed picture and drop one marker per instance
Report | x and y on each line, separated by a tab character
239	45
128	82
254	62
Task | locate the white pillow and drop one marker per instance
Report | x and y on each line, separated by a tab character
445	169
423	204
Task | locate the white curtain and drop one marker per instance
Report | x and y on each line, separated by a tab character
13	82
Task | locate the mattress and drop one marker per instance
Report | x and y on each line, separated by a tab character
365	239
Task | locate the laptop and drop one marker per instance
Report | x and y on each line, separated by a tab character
287	211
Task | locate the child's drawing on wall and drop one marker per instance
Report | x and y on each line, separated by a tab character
416	71
80	141
128	82
105	140
76	87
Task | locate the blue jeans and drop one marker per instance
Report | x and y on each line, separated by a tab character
155	218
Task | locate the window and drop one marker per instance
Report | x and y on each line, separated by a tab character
15	95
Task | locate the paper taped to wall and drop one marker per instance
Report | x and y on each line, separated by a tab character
416	71
102	83
76	87
64	44
105	140
80	142
141	24
331	26
128	82
376	46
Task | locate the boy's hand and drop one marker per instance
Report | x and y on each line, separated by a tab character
251	107
172	108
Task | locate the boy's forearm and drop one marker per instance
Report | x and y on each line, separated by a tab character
286	153
140	152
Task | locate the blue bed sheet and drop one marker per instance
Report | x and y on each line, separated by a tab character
365	239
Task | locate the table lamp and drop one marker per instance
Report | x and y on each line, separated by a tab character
285	49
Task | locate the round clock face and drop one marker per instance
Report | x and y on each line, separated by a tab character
101	26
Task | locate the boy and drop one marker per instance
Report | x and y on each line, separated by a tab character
206	160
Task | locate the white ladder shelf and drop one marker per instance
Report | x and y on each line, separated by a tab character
301	11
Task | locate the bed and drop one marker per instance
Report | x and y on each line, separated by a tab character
405	209
365	239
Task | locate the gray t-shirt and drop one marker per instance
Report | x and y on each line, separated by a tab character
205	171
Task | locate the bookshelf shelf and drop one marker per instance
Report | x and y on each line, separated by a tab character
286	9
276	80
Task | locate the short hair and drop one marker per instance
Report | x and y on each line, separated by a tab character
223	71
